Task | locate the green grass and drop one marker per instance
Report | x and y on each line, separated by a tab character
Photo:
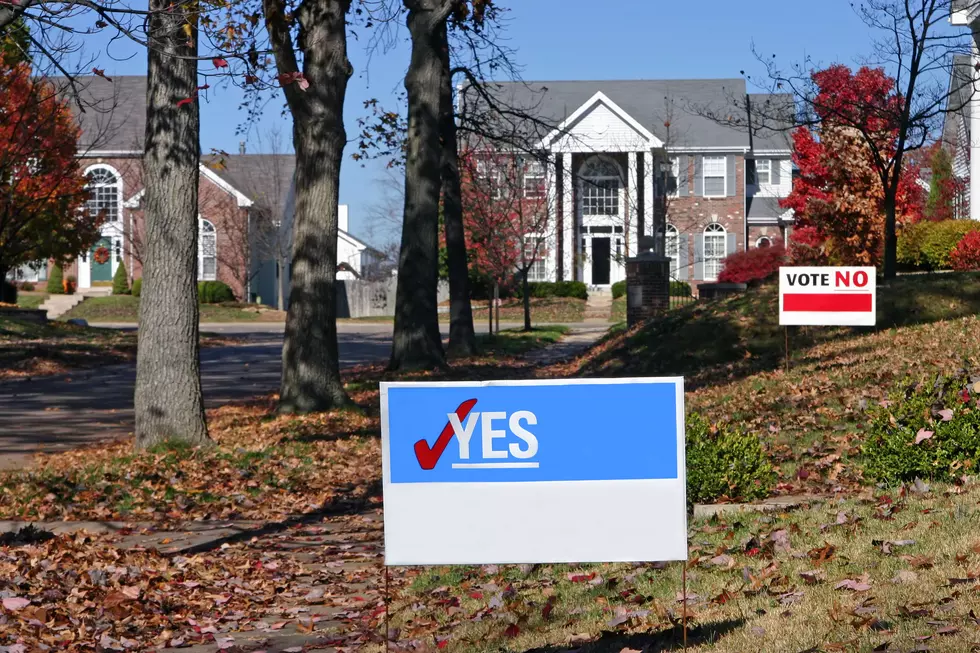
124	308
32	349
545	310
512	342
30	300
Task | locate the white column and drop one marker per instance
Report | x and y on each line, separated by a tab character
551	183
633	229
975	133
568	211
649	191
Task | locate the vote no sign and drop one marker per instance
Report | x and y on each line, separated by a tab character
584	470
827	296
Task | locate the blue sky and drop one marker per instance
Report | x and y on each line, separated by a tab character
574	39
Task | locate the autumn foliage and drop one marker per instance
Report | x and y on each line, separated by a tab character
966	255
839	194
41	183
753	265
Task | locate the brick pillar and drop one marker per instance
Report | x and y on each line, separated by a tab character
647	287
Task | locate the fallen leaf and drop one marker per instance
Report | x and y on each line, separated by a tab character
905	576
923	435
854	585
15	603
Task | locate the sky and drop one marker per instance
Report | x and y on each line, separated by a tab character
562	40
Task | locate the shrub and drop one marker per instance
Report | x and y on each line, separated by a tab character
214	292
8	292
929	431
680	289
70	284
808	247
930	245
137	287
576	289
541	289
966	254
120	281
754	265
618	289
56	280
27	286
725	463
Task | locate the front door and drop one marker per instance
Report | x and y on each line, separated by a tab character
101	261
600	261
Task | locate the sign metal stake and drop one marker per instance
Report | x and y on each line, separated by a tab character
387	609
786	330
684	604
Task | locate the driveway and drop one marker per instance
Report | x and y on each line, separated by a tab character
66	411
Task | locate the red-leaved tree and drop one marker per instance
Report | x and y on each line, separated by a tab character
753	265
41	182
506	216
839	193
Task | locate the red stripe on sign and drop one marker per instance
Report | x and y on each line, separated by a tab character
828	303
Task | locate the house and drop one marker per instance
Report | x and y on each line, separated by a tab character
244	234
959	123
626	159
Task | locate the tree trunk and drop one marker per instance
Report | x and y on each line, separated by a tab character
281	284
462	337
311	378
496	304
168	400
3	287
527	300
417	343
891	236
490	313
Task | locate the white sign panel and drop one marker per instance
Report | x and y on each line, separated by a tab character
827	296
586	470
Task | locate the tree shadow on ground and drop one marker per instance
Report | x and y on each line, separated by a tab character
671	639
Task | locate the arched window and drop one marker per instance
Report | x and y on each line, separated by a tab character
715	246
765	241
600	187
207	251
673	249
104	193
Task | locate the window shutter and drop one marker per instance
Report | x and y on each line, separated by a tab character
699	256
731	245
699	176
682	256
732	191
683	178
776	166
751	177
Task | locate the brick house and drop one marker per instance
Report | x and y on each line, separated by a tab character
244	203
623	159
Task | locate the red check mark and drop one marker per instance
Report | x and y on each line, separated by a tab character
429	457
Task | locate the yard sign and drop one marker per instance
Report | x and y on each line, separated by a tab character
534	471
827	296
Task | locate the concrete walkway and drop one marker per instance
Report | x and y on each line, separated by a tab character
63	412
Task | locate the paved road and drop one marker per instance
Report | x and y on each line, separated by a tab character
66	411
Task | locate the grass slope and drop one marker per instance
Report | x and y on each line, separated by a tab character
124	308
31	349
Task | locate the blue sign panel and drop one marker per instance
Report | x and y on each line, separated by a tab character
521	433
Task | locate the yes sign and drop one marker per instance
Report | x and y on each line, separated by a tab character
503	472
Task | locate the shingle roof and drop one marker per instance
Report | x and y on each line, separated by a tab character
263	178
695	108
112	114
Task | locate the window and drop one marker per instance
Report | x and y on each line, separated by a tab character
763	171
714	250
765	241
534	186
534	253
103	194
715	172
673	249
600	187
207	251
673	183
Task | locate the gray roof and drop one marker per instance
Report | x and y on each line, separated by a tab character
111	111
763	207
263	178
698	110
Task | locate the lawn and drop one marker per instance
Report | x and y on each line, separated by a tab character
513	342
31	300
544	310
124	308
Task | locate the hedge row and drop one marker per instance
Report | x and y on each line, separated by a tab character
930	245
208	292
576	289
